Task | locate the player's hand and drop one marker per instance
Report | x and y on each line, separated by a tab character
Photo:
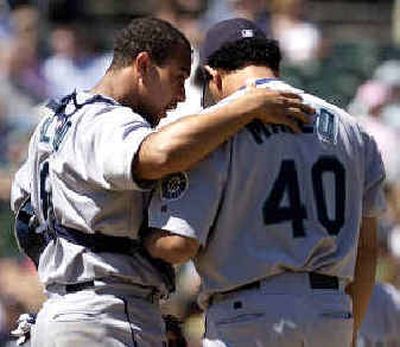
277	107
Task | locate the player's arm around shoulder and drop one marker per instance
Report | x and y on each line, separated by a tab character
179	145
172	248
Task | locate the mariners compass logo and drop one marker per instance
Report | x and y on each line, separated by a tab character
174	186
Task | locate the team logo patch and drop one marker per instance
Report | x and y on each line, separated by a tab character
327	126
174	186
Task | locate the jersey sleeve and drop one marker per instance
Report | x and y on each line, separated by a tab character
374	199
21	186
112	146
186	203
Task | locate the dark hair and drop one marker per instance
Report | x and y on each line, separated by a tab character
155	36
250	51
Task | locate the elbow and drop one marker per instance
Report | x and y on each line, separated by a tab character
178	252
163	161
155	162
173	249
176	256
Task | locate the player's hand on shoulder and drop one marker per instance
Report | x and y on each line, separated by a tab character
278	107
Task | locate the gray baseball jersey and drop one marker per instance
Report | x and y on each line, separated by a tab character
269	201
84	163
382	320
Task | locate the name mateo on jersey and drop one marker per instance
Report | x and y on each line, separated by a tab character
261	132
325	124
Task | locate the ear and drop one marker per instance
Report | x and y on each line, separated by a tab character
216	77
142	64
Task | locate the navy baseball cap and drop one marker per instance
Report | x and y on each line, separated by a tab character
230	30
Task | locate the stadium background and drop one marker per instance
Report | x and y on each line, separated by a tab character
347	52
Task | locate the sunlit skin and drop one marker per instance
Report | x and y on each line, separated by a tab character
146	87
164	86
224	83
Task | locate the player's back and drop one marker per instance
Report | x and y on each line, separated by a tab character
290	202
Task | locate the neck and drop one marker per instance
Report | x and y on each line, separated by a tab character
233	81
118	85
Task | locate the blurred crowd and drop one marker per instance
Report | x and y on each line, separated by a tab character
42	58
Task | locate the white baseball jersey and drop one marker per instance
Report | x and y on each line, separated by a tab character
83	162
270	201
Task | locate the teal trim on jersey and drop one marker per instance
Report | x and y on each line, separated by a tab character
62	118
257	83
262	81
265	80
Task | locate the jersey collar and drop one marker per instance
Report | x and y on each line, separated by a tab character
261	81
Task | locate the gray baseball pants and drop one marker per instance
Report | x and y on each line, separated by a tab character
109	317
283	312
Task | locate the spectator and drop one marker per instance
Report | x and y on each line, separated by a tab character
299	39
4	131
254	10
21	61
369	103
389	74
5	29
21	87
74	62
184	15
3	332
4	19
11	309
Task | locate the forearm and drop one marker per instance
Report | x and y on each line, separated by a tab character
180	145
364	278
174	249
361	289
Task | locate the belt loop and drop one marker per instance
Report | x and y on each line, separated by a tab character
278	283
322	281
76	287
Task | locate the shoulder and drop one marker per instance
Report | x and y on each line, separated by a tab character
109	111
224	101
349	124
343	117
320	103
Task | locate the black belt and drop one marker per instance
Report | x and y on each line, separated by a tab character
316	281
76	287
98	243
151	295
321	281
